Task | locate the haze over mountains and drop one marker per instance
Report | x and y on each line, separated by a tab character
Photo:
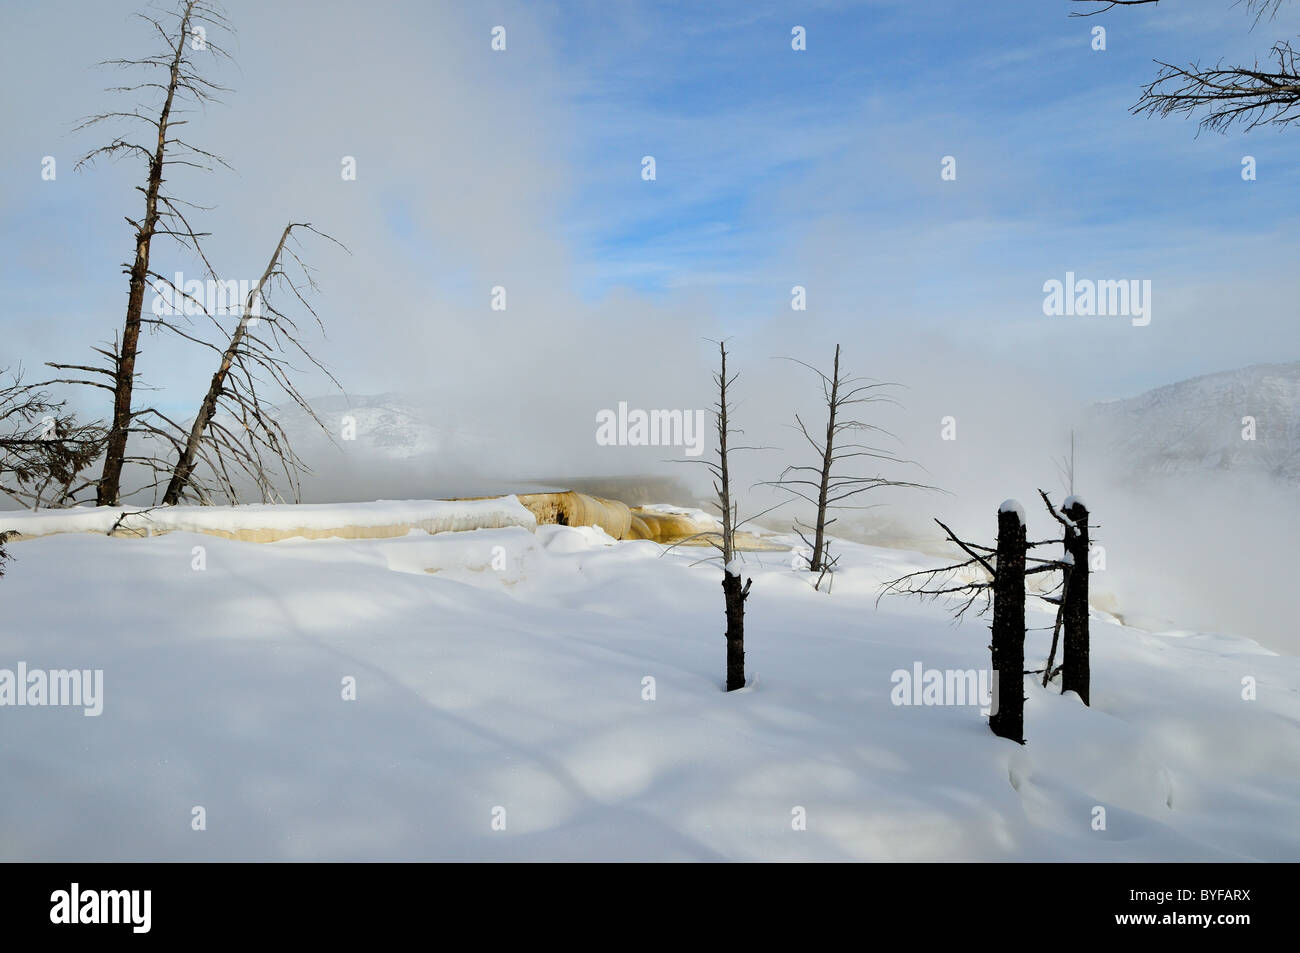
1195	517
426	445
420	444
1177	450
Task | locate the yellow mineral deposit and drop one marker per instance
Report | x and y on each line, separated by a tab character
623	522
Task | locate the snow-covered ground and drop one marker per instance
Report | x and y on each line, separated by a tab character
433	516
500	676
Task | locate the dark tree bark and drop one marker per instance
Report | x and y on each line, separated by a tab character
162	212
1008	645
735	596
110	480
819	541
1075	673
1048	671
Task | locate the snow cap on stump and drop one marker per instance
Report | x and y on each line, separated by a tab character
1013	506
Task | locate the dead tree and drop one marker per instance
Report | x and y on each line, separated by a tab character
188	31
1262	8
1101	6
1075	668
1050	669
1255	95
734	595
998	575
824	484
43	447
725	542
1065	468
1007	648
254	444
4	553
1077	674
959	579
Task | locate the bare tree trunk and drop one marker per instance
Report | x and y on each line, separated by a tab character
1008	646
734	593
1075	675
1056	627
735	596
185	463
110	481
823	485
819	543
723	486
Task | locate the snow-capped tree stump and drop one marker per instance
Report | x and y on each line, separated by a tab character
1075	673
735	595
1008	646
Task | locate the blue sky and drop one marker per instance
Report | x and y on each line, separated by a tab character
755	143
774	168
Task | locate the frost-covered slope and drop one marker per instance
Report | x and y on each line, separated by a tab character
514	677
380	426
1197	425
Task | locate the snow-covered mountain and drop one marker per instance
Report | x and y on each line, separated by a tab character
1245	420
393	426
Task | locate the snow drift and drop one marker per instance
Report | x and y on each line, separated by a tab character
269	523
571	685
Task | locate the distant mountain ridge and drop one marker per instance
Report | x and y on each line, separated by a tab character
1202	424
393	426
